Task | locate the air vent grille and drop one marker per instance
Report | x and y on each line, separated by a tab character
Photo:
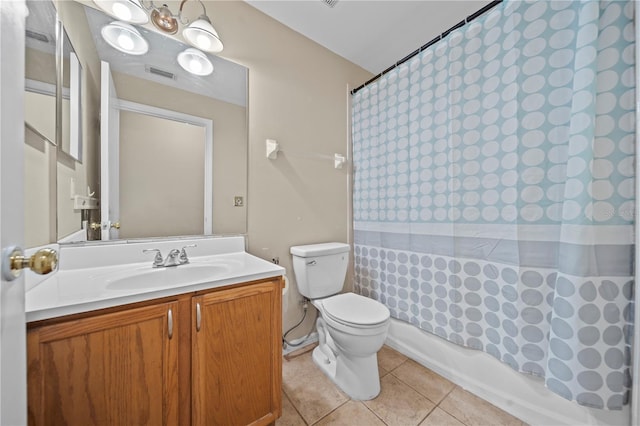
162	73
330	3
37	36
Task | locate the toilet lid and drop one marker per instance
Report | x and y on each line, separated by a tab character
355	309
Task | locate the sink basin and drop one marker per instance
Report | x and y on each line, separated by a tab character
142	278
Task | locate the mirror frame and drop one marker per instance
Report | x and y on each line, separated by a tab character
75	100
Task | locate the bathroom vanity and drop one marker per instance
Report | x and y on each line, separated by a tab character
206	351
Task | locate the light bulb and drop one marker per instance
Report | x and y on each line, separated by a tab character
203	42
195	65
121	11
194	61
125	41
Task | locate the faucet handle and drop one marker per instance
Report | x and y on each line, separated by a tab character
157	260
183	253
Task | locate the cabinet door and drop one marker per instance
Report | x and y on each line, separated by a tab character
111	369
236	358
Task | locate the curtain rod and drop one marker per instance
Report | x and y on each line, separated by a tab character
435	40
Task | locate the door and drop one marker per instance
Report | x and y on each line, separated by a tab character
236	359
13	370
119	368
109	153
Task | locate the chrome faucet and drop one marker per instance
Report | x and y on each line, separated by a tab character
174	258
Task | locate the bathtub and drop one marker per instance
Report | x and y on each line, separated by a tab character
481	374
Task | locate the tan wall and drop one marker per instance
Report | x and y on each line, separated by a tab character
161	177
298	96
40	218
40	66
229	142
40	113
37	153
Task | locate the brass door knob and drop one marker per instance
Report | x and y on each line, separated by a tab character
115	225
14	261
95	226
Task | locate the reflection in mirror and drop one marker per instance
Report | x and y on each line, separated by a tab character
40	124
152	80
147	133
79	71
160	92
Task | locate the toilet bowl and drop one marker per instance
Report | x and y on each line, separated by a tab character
351	328
349	356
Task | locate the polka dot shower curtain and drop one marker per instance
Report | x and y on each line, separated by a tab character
494	191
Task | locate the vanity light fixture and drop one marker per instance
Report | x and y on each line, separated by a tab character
195	62
199	32
125	38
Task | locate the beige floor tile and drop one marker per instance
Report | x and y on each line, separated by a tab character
425	381
398	404
388	359
310	391
351	414
290	416
440	417
473	411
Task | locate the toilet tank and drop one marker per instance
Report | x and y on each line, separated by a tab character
320	269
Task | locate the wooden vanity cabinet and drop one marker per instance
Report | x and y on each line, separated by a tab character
204	358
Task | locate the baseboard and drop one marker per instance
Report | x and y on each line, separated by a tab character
522	396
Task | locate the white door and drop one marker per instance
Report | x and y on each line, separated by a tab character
13	357
109	153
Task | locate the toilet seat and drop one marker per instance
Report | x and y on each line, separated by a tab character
353	310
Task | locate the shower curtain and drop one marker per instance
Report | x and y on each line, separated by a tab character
493	196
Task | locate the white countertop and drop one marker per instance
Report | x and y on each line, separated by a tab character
85	289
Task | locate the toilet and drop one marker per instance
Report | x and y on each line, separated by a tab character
351	328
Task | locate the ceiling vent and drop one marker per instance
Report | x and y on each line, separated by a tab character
37	36
330	3
161	73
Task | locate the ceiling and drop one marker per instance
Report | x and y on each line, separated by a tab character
374	34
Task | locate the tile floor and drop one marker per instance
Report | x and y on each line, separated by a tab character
411	395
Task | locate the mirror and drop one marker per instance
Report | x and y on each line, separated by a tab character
162	162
